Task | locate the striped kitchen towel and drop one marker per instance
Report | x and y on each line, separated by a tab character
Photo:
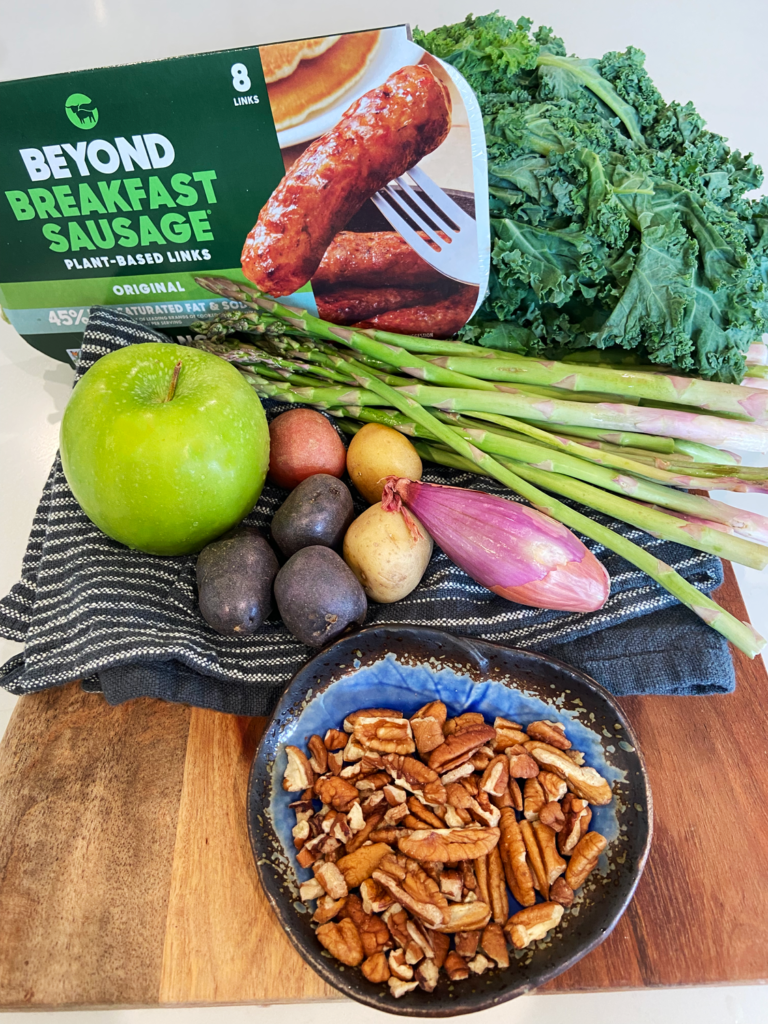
127	623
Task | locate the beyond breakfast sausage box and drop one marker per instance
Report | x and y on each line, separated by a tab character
120	185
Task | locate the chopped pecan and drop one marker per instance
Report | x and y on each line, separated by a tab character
494	945
319	760
335	739
335	761
420	937
463	771
310	890
427	974
448	844
399	988
457	795
300	832
427	725
416	777
373	783
342	940
468	875
552	814
352	771
412	823
353	751
456	966
398	965
577	756
355	817
578	815
554	787
413	953
483	811
535	860
331	879
389	833
554	865
497	887
512	850
451	885
585	782
496	776
561	893
394	795
361	837
336	792
418	809
395	814
349	721
373	932
375	897
466	943
298	773
507	734
327	909
441	943
521	764
552	733
533	799
460	746
376	969
481	758
517	796
360	864
428	905
584	859
336	825
457	817
532	923
320	846
479	965
386	735
465	917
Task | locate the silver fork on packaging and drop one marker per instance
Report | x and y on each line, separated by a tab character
454	255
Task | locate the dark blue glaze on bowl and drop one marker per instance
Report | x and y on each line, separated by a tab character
404	668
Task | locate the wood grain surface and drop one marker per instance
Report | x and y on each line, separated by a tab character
126	878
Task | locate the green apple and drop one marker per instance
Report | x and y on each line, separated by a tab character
160	459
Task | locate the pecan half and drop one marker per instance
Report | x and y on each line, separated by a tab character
460	746
427	726
584	859
533	799
521	764
552	733
428	910
481	877
535	861
465	917
376	968
512	849
342	940
298	773
416	777
427	817
494	945
532	923
319	760
496	777
462	721
507	734
360	864
385	735
349	721
554	865
585	782
497	887
449	844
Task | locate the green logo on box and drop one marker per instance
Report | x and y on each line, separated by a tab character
81	111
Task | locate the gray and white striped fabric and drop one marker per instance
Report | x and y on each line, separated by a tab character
88	608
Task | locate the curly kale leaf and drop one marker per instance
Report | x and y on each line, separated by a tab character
619	222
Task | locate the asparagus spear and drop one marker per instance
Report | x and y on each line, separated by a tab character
660	387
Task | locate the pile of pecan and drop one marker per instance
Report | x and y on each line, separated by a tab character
407	851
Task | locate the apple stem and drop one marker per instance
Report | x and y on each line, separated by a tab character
174	381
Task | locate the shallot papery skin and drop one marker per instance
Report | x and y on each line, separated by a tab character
511	549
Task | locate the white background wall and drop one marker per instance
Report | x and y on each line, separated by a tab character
711	53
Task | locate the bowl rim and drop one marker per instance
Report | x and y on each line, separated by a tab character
326	968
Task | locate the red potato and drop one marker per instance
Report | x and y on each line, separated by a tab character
303	443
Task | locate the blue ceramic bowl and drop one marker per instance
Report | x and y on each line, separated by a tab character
405	668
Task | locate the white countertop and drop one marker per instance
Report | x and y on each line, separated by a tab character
697	49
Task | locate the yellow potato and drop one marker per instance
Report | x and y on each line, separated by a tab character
381	552
376	452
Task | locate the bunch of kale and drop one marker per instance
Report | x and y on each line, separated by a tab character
617	219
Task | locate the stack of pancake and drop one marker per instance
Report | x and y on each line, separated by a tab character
309	75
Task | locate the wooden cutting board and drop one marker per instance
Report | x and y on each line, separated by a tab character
126	878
